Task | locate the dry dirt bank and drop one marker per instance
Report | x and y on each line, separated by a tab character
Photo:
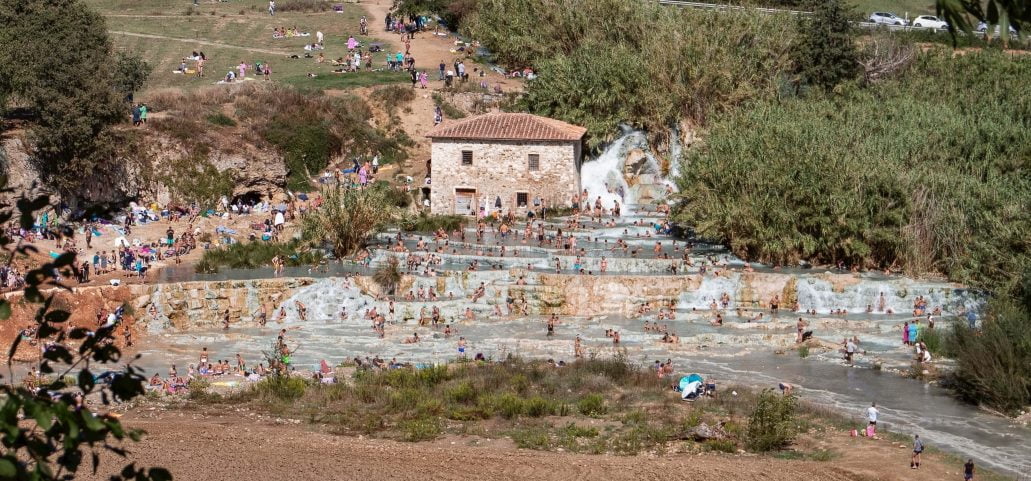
214	447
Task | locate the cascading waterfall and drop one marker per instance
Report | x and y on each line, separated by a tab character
325	300
605	176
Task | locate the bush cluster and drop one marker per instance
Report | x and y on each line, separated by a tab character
606	62
250	255
878	176
772	424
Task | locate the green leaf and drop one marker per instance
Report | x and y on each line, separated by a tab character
57	316
86	381
91	422
5	310
7	468
160	474
42	416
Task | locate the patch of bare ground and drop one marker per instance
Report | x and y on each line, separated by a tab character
233	445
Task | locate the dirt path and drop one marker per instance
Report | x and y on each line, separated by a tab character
199	42
429	50
212	448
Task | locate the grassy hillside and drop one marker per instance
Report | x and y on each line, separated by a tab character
163	32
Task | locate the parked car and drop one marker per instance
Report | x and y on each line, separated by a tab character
930	21
886	18
983	27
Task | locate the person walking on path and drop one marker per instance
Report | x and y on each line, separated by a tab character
272	8
968	470
918	447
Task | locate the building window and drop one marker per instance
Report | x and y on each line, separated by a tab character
521	199
534	162
467	157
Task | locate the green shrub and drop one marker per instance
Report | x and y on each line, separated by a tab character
250	255
519	383
306	149
422	429
467	414
934	339
720	445
404	400
685	63
392	97
424	222
449	109
537	406
221	119
876	196
693	419
531	438
413	378
639	438
574	431
463	393
488	405
992	362
198	391
394	195
772	424
369	393
430	408
617	368
281	388
592	405
510	406
803	351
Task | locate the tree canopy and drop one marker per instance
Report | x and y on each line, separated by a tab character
56	60
825	54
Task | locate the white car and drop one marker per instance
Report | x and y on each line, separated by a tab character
930	21
983	27
885	18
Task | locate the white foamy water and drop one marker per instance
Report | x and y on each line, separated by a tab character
605	176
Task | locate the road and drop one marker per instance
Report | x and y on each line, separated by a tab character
868	25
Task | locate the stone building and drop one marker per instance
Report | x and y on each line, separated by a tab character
503	161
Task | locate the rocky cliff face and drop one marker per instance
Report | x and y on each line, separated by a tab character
253	171
158	156
202	304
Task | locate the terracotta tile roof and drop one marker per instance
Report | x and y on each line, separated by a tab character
508	126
